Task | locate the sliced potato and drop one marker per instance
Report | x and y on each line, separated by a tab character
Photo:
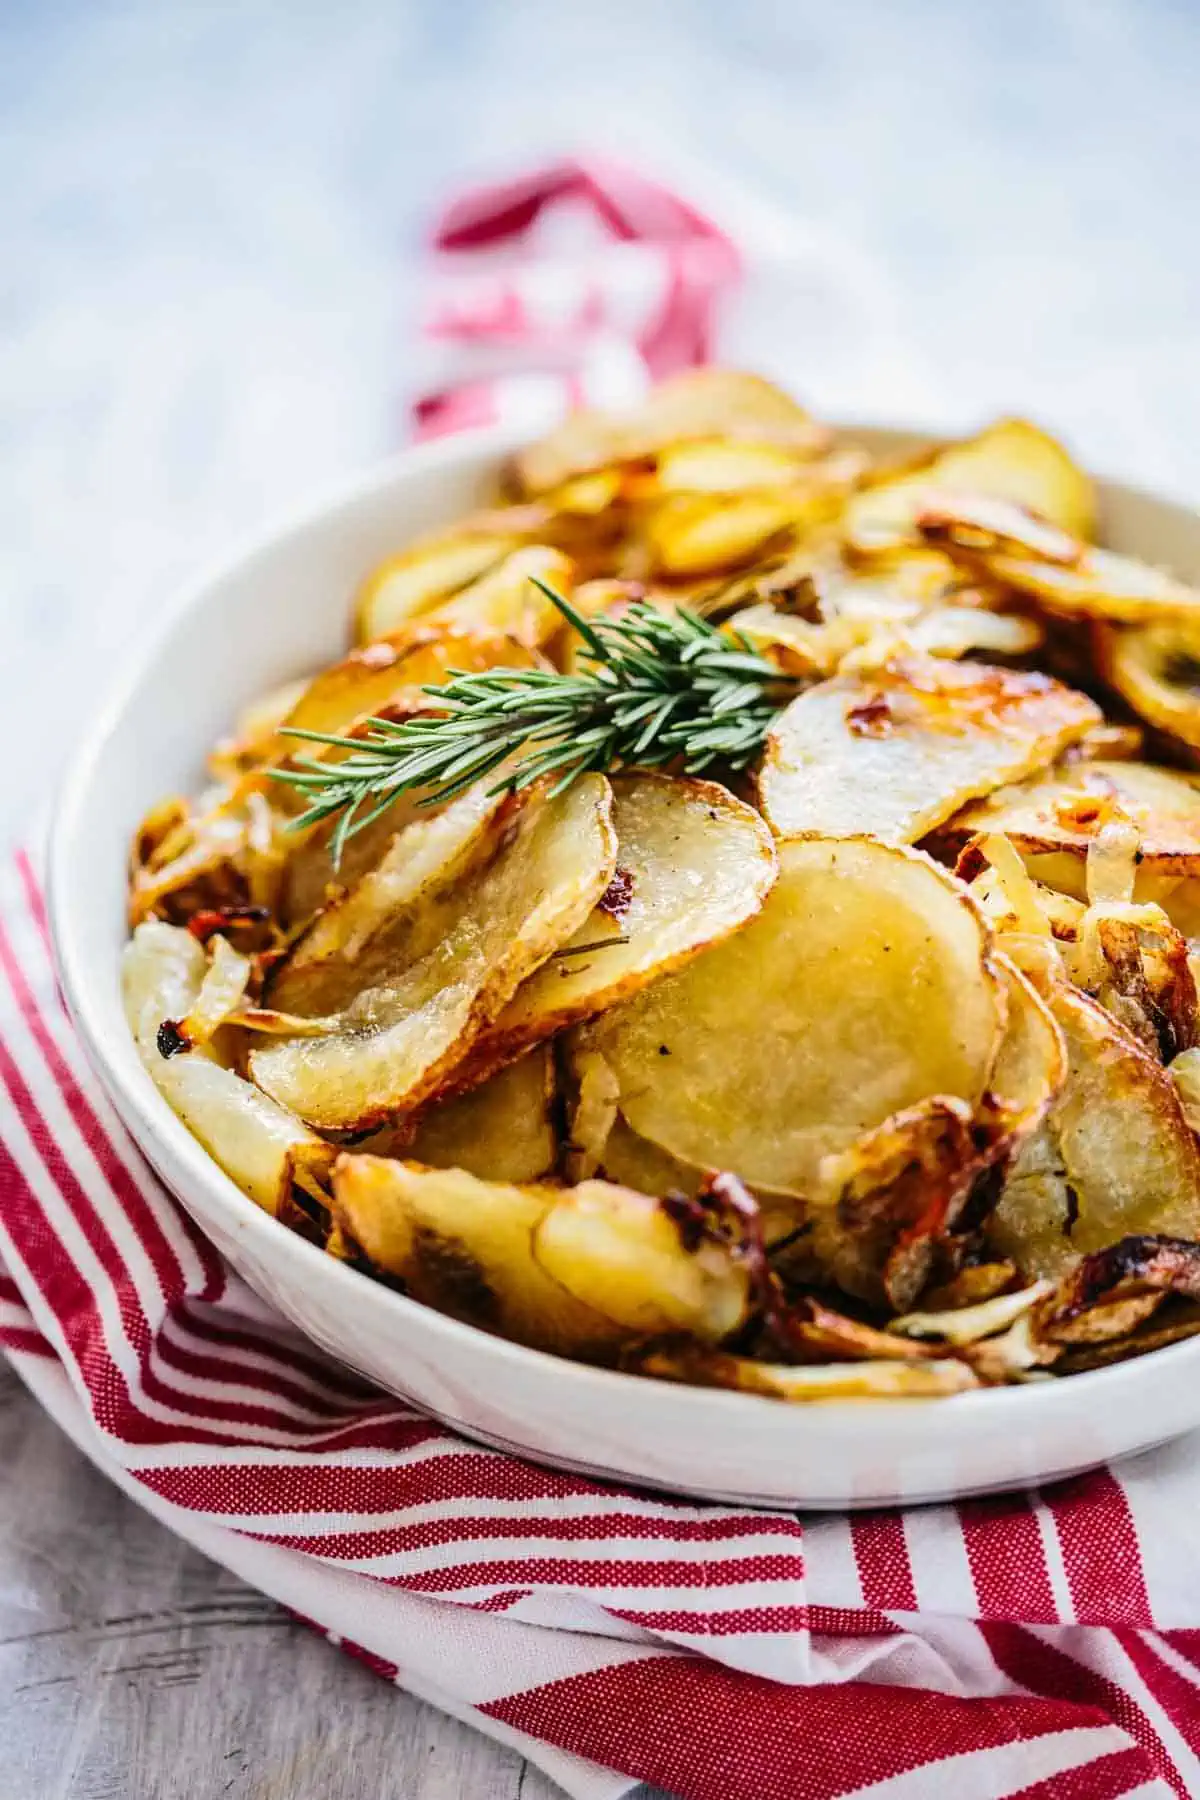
506	599
580	1271
863	986
228	853
414	887
1055	818
259	1145
436	567
1063	574
911	1378
502	1130
401	1037
1114	1156
701	403
693	864
394	673
896	752
1156	668
1012	460
725	466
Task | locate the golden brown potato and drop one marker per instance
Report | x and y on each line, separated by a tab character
1114	1156
895	752
259	1144
503	1130
438	986
693	864
1012	460
581	1270
863	986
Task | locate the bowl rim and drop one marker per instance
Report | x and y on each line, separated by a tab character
135	1098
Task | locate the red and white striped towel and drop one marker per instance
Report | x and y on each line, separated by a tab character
1046	1644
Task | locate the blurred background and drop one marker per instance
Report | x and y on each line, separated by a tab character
211	217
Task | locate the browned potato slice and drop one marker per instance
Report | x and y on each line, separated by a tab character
635	1162
1054	819
506	600
725	466
259	1145
863	986
431	570
702	403
907	1379
1031	1063
415	887
402	1036
580	1271
1156	668
227	854
1064	575
394	672
693	864
896	752
1114	1156
1012	460
897	1192
501	1131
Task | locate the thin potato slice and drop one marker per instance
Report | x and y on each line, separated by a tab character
431	570
1115	1154
350	943
502	1130
259	1145
863	986
1156	668
896	752
897	1192
1012	460
725	466
394	673
635	1162
581	1271
506	600
689	535
693	864
1056	818
401	1037
702	403
912	1378
1063	574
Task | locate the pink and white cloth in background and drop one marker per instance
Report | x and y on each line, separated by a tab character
1044	1644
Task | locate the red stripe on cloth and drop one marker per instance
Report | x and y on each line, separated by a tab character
34	900
1008	1559
461	1474
884	1567
554	1571
706	1732
1107	1778
1176	1694
293	1354
745	1620
587	1528
1100	1550
27	1343
1049	1670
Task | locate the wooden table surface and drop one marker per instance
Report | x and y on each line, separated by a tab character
207	211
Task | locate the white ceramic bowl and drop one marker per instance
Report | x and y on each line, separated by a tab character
275	609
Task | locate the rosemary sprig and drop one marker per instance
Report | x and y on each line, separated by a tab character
661	688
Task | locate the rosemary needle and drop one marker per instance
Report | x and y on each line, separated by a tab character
659	687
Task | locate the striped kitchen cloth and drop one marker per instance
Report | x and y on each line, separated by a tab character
1043	1644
